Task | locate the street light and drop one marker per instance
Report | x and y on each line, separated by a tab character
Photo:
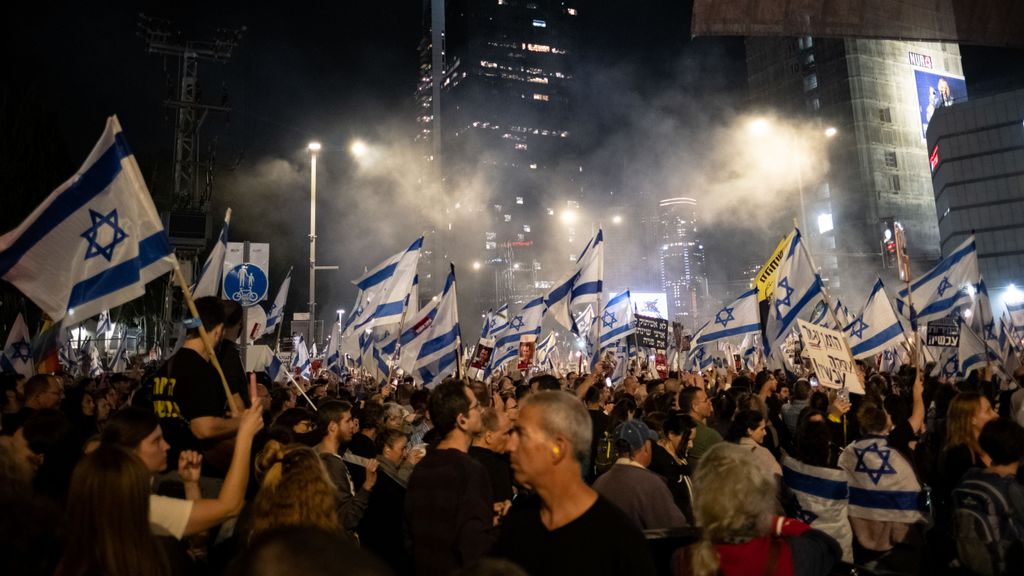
358	148
476	265
314	148
616	219
830	131
568	217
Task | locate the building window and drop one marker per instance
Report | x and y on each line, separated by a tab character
570	11
490	245
497	207
890	159
539	24
809	59
894	182
508	217
519	199
526	227
813	104
805	42
537	47
490	235
825	223
541	97
885	115
521	237
810	82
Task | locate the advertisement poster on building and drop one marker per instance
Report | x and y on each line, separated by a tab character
937	90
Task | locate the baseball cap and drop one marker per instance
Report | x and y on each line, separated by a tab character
635	433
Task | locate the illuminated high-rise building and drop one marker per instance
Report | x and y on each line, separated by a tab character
878	95
496	121
682	266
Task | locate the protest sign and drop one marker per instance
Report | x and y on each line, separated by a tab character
830	358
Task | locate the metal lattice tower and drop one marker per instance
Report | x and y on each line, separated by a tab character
191	189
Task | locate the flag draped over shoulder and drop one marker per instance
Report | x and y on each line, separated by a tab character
883	485
211	275
877	328
823	495
937	292
95	242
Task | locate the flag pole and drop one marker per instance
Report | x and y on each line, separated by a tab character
205	337
291	379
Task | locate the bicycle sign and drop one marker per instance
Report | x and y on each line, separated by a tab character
246	284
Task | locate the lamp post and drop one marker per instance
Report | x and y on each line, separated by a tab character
314	148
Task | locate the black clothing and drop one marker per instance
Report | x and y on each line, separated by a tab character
380	531
230	358
953	464
677	477
361	445
184	388
499	469
601	541
600	423
449	517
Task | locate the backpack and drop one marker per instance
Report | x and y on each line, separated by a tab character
982	526
606	453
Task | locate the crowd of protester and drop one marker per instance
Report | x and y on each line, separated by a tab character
159	471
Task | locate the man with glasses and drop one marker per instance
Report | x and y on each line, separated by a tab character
449	519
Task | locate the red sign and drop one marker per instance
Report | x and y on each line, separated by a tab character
933	159
661	365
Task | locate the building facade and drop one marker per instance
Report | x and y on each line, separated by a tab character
682	266
976	153
497	126
878	96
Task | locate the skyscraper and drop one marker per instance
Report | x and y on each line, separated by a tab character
876	94
683	276
497	127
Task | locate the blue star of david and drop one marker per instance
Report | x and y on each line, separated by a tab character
806	516
944	285
990	330
516	323
608	319
858	328
21	350
784	284
884	467
651	306
728	316
700	353
98	221
951	367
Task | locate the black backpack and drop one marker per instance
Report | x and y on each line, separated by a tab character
982	526
606	454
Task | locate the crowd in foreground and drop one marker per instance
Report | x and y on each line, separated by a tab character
161	472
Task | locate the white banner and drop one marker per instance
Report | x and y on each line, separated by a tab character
829	357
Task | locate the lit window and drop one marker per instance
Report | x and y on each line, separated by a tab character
508	217
490	235
521	237
497	207
490	245
526	227
537	80
540	24
824	223
487	64
569	11
521	146
551	212
519	199
541	97
537	47
533	166
810	82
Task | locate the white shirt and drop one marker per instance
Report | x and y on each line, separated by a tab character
169	516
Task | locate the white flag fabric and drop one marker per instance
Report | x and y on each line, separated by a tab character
823	495
212	273
797	292
983	319
1016	312
437	356
384	291
883	485
412	337
877	328
941	289
276	312
583	286
300	356
313	351
333	357
972	353
545	347
18	349
498	322
616	321
103	324
737	319
120	362
526	322
94	242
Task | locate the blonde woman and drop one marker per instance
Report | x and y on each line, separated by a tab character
294	491
968	414
736	508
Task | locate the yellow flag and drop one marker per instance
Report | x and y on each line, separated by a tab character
766	275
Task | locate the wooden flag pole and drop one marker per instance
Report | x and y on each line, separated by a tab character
205	337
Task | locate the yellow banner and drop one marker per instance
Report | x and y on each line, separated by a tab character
765	279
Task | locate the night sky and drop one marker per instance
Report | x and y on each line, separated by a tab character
332	73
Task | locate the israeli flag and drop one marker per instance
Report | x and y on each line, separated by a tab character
973	353
584	286
1016	312
68	353
103	324
892	359
498	322
333	355
300	357
526	321
616	321
384	351
276	312
941	289
545	347
797	292
585	320
438	349
947	367
120	363
18	349
95	366
211	275
823	498
739	318
384	291
883	484
877	328
273	368
983	319
701	358
95	242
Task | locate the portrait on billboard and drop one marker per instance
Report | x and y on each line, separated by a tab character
937	90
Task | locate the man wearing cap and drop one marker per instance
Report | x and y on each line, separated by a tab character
640	493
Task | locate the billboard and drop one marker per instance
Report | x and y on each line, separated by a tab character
936	90
650	303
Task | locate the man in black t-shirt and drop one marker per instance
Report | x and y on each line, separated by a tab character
567	527
230	356
187	393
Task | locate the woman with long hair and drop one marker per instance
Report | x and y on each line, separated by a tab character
108	518
968	414
748	430
294	490
736	508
